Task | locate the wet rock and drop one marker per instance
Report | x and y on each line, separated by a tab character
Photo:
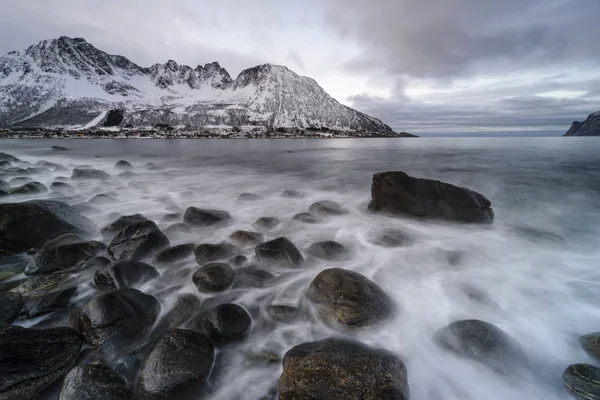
10	307
124	274
292	194
174	254
8	157
89	174
591	344
38	170
44	284
246	238
118	322
177	229
123	165
62	256
582	381
539	235
307	218
84	208
393	238
397	193
16	171
180	361
341	369
121	223
266	223
226	323
482	342
238	261
102	198
31	224
59	148
3	193
284	314
200	217
153	167
327	208
249	197
20	181
48	303
29	188
171	217
33	359
214	277
138	240
252	277
94	382
348	299
126	174
56	186
329	250
5	187
5	164
454	257
184	308
279	252
206	253
94	263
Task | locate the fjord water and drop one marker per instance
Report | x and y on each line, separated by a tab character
534	273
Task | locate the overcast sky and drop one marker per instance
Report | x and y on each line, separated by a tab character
423	66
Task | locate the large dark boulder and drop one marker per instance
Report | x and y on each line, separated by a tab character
123	274
348	299
279	252
33	223
94	382
206	252
214	277
62	256
118	322
200	217
121	223
10	307
582	381
89	174
174	254
179	362
328	250
29	188
33	359
138	240
399	194
226	323
482	342
341	369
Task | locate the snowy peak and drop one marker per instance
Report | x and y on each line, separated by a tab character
171	73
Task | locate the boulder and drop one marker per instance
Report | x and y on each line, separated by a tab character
138	240
307	218
29	188
284	314
249	197
16	171
482	342
56	186
266	223
238	261
20	181
200	217
123	165
8	157
214	277
179	362
95	263
33	359
102	199
246	238
33	223
89	174
348	299
226	323
38	170
397	193
124	274
118	322
126	174
94	382
47	303
252	277
172	217
174	254
582	381
185	307
327	208
206	253
393	238
40	285
292	194
328	250
5	187
279	252
121	223
341	369
11	305
177	229
62	256
591	344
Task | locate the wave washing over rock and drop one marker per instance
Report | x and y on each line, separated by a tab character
192	276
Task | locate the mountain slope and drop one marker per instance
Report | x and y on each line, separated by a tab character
589	127
69	83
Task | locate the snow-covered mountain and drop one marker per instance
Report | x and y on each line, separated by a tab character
589	127
68	82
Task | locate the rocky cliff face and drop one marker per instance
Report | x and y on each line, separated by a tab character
68	82
589	127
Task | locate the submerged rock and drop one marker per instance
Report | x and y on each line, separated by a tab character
284	314
138	240
123	274
29	188
279	252
307	218
123	165
49	302
62	256
582	381
177	229
200	217
8	157
328	250
33	359
94	382
84	173
179	362
227	323
238	261
266	223
59	148
393	238
206	253
252	277
5	187
341	369
246	238
213	277
348	299
292	194
399	194
121	223
10	307
591	344
56	186
327	208
249	197
174	254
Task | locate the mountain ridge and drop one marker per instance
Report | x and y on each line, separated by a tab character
69	83
589	127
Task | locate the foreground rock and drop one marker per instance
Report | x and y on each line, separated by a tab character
174	254
29	188
227	323
246	238
62	256
33	359
582	381
179	362
348	299
10	306
138	240
279	252
482	342
328	250
200	217
121	223
89	174
213	277
327	208
399	194
340	369
206	252
57	300
33	223
118	322
94	382
124	274
591	344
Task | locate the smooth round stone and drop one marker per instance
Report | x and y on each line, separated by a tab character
307	218
327	207
123	165
292	194
249	197
582	381
227	323
266	223
214	277
328	250
246	238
